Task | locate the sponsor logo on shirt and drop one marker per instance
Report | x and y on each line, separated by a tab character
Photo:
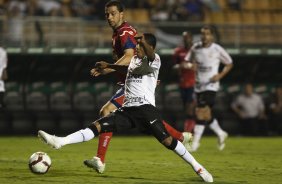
124	32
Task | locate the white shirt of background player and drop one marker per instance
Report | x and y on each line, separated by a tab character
207	60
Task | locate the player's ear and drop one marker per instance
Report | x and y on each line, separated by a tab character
122	15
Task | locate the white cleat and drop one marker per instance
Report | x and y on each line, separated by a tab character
221	141
187	140
205	175
51	140
95	163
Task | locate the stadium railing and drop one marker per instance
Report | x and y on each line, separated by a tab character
65	33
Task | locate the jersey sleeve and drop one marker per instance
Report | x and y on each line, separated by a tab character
156	64
225	58
3	58
127	38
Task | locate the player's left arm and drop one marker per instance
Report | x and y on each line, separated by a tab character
4	59
4	74
147	65
221	74
226	59
149	50
102	65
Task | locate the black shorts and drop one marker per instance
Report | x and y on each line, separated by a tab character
206	98
146	118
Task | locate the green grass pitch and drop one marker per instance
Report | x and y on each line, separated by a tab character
142	160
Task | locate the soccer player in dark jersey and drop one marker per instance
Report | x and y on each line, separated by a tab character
123	44
186	79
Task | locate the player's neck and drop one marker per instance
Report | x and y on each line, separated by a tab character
121	23
207	44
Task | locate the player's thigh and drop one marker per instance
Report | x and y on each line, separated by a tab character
206	98
117	121
203	113
152	120
107	109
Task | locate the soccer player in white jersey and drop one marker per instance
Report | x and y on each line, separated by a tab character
138	109
205	57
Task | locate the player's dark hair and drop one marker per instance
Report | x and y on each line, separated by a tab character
184	33
116	3
211	28
150	39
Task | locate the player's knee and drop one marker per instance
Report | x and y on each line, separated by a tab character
169	143
203	113
95	127
199	113
207	113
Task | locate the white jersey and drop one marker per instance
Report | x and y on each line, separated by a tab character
140	89
3	65
208	60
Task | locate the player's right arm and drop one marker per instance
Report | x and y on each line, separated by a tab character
123	61
189	60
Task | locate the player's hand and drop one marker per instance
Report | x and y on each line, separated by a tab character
101	65
139	38
215	78
158	82
95	72
186	65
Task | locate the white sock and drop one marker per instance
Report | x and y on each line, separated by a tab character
198	132
214	126
79	136
185	155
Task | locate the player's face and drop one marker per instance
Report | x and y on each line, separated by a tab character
113	16
206	36
248	89
187	39
140	51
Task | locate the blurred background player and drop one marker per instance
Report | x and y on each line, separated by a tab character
186	79
123	44
206	57
138	109
249	107
3	74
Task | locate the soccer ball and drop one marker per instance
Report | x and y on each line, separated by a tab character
39	163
